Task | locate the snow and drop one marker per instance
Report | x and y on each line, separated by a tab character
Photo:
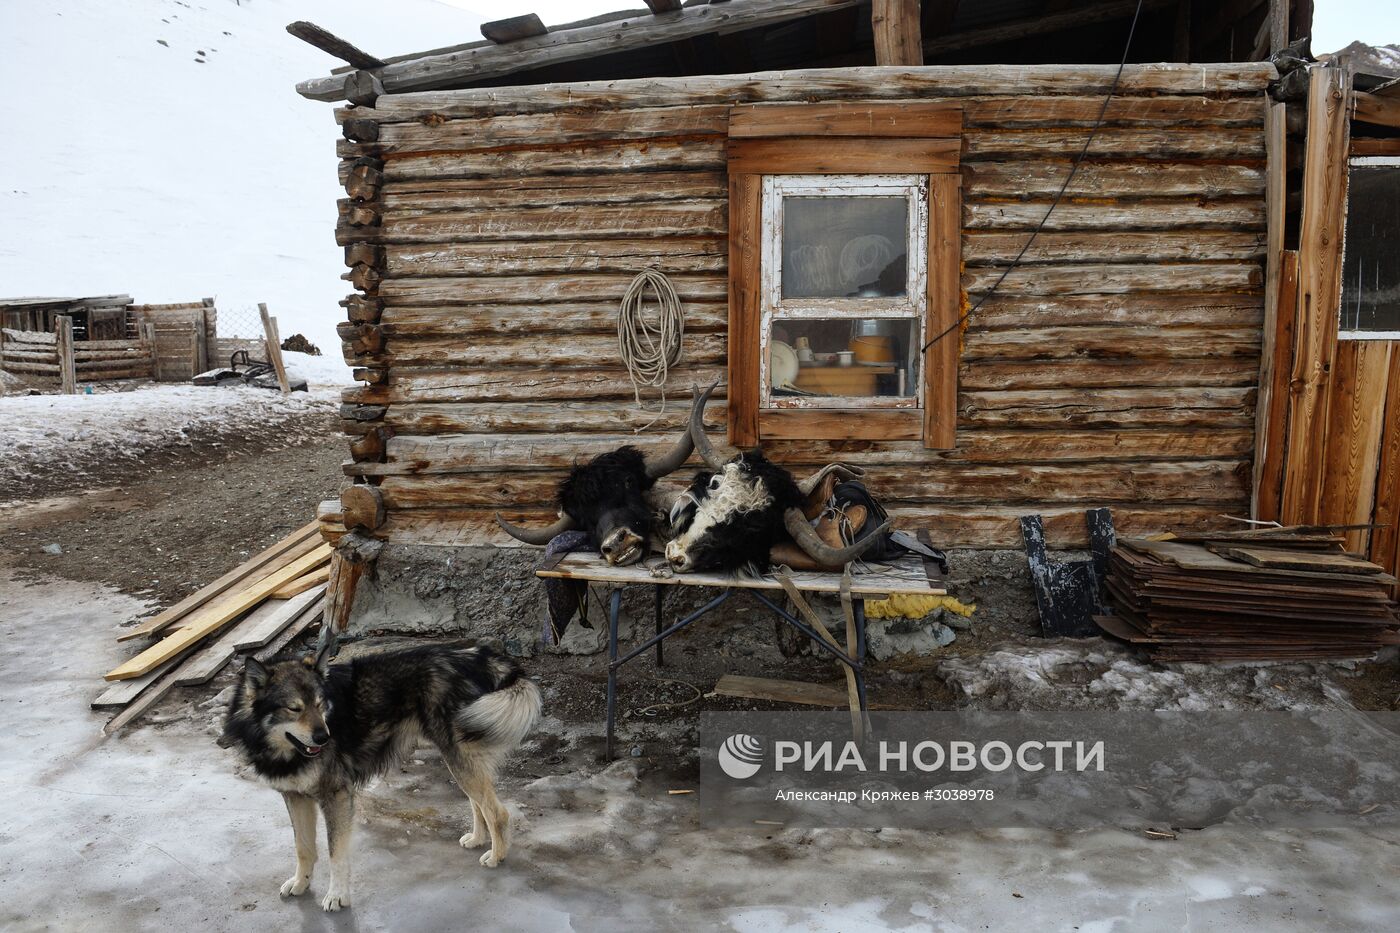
316	370
63	433
148	169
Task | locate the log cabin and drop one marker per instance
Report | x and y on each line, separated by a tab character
1059	284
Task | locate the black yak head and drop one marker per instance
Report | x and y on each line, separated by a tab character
735	513
606	498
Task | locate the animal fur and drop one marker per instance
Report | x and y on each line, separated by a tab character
733	516
606	497
317	733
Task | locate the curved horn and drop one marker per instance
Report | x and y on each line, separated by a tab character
713	459
843	471
539	536
821	552
671	460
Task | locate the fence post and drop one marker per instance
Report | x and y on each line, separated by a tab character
274	348
148	336
67	372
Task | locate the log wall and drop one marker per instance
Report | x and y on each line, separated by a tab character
490	233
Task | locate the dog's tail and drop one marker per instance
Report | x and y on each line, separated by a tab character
503	717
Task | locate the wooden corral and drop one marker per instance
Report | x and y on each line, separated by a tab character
490	233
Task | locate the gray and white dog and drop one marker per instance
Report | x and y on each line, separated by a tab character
318	732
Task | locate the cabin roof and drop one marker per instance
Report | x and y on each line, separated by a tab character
668	38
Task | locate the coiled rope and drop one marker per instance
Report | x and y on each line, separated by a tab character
650	344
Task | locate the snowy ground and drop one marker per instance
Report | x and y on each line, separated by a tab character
61	434
161	829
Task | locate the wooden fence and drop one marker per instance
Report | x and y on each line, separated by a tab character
184	335
56	357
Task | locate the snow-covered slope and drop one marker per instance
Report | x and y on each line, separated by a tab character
158	148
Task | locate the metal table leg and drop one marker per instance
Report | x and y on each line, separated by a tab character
858	610
660	597
614	605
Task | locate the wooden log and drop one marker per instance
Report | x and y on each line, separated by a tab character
360	130
455	194
553	129
526	385
493	352
842	156
274	348
514	28
503	320
1376	110
630	221
362	88
366	175
580	417
215	616
298	544
1022	180
468	453
1163	143
896	26
371	447
365	278
1141	308
1075	279
1122	372
333	45
362	309
910	120
1137	407
1224	481
361	339
1133	343
362	506
68	378
1226	214
663	6
981	247
353	557
885	83
653	155
537	290
523	257
367	254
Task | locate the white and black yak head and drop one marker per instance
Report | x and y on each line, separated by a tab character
606	498
734	514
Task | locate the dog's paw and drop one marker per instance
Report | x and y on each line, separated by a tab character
474	840
335	899
295	885
488	858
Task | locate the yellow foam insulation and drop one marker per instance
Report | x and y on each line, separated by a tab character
913	606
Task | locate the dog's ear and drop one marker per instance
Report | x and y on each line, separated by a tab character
255	674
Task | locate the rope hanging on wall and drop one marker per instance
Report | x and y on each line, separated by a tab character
649	340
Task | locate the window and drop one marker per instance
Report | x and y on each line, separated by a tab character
843	304
1371	250
845	232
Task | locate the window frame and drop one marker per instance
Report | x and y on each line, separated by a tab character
913	306
1343	333
834	139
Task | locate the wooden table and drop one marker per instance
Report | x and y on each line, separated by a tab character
906	576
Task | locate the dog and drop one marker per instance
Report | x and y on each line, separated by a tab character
318	731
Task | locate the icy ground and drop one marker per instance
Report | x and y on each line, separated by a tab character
161	829
67	433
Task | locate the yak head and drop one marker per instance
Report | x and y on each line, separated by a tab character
734	513
606	498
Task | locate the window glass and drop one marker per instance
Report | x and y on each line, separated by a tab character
844	247
1371	259
843	358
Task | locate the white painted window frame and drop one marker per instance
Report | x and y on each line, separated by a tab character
1343	333
912	306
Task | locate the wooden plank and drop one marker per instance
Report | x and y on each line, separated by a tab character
1275	206
945	306
907	120
779	691
274	348
333	45
896	26
745	306
813	155
1272	433
296	545
1319	292
837	424
887	83
300	624
1360	371
1379	111
1385	538
1308	561
68	378
512	29
282	613
214	617
302	584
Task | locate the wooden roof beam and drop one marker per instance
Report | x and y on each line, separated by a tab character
514	28
1039	25
1376	110
663	6
483	62
334	45
897	32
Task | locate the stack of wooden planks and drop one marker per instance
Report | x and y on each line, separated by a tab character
259	607
1271	595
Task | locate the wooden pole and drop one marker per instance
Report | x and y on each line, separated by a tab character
897	36
195	367
148	336
274	348
66	370
1275	204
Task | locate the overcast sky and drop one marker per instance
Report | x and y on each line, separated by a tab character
1335	22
